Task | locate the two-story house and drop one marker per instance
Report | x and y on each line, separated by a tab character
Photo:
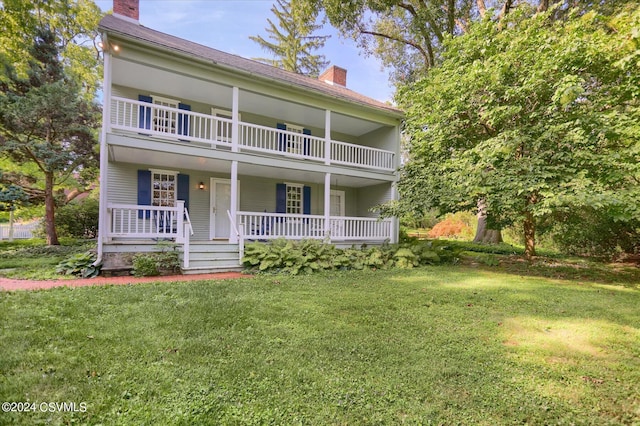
211	150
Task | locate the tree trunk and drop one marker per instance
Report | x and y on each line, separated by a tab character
484	234
49	211
529	236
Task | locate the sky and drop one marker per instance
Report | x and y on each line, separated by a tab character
227	24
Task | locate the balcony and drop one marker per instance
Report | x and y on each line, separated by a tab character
217	132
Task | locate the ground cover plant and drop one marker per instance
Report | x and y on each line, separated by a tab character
32	259
437	344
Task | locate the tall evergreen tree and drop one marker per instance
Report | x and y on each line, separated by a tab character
45	121
292	42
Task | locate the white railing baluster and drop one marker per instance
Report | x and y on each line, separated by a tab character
163	122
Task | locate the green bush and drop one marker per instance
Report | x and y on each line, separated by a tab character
306	256
81	264
592	232
152	264
78	219
145	265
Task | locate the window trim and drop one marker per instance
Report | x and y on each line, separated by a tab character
175	180
300	186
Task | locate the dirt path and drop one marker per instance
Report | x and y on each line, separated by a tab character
8	284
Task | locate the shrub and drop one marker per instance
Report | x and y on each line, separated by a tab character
592	232
81	264
152	264
145	265
450	228
306	256
78	219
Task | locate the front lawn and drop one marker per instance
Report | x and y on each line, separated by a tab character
445	344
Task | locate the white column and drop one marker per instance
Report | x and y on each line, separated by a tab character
104	157
327	137
233	209
327	203
395	222
235	122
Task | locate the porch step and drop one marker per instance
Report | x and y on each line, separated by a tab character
209	270
207	257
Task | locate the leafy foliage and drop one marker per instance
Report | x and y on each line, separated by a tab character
80	264
307	256
45	121
152	264
78	219
531	115
292	42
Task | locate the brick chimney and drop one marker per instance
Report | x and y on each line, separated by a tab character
334	75
127	8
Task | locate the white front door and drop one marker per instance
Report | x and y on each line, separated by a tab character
336	208
220	202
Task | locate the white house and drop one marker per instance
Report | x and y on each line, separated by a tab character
211	150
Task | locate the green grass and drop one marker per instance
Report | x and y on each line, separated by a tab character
32	259
442	345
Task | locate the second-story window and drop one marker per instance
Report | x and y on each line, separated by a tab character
163	120
164	188
294	142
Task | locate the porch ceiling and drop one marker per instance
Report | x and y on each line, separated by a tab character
173	161
154	80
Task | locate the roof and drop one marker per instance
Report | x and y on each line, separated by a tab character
135	31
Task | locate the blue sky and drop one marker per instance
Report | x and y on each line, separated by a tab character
227	24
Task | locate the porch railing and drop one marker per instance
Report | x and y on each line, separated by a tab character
161	121
264	226
134	221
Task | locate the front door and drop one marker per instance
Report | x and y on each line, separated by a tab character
220	203
337	209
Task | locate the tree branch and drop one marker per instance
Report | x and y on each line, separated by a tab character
413	44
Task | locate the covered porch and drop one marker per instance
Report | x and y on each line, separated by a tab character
230	202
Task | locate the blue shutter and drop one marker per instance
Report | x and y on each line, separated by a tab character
144	115
183	189
305	141
144	191
306	200
282	139
281	198
183	120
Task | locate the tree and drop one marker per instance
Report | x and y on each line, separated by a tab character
292	43
45	121
533	116
75	23
408	35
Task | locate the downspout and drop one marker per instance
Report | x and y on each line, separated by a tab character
104	157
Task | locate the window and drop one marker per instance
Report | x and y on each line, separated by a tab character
164	188
294	142
294	199
164	121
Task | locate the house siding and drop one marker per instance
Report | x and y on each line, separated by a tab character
371	196
256	194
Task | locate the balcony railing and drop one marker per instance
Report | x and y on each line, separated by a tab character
165	122
264	226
